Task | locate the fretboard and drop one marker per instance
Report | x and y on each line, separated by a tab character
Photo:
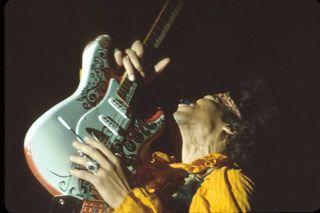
153	39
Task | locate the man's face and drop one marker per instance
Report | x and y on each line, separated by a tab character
205	113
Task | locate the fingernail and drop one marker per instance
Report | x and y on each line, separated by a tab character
74	143
70	171
161	65
131	77
71	158
166	61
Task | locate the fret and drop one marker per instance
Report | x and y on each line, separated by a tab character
158	27
153	38
121	92
157	30
122	88
153	33
174	10
166	14
125	87
149	42
126	83
162	21
157	19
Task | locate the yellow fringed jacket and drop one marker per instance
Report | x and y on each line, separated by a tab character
224	189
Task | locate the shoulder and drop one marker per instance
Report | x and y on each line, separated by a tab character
229	185
225	189
230	177
239	181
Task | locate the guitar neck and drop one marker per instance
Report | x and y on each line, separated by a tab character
163	23
153	39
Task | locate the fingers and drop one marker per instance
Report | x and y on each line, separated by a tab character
118	56
132	61
92	153
85	175
129	68
137	47
79	160
135	61
110	189
101	147
159	67
114	160
109	162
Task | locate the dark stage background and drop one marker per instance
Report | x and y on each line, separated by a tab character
214	44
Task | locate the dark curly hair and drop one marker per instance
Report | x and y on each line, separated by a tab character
259	119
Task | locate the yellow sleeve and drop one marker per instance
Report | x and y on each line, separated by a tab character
140	200
224	190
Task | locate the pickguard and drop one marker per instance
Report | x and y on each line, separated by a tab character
48	144
125	134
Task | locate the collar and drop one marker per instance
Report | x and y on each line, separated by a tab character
164	169
214	160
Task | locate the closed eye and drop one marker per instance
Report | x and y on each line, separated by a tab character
211	98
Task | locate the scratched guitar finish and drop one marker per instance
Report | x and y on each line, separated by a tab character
99	109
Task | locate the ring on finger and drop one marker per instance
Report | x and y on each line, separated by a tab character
92	166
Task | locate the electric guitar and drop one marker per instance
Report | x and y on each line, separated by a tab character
100	108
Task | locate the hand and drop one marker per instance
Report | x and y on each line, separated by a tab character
110	180
131	61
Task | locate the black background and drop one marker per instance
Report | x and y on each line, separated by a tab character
213	44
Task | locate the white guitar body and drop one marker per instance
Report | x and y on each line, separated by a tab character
100	109
112	123
48	144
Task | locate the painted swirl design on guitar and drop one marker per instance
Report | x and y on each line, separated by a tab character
99	77
85	189
113	124
128	148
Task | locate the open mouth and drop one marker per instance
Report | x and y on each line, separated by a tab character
186	102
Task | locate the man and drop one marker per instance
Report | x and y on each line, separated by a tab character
205	181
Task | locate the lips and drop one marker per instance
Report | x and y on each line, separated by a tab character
186	103
186	100
183	105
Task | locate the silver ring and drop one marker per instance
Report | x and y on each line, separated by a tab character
92	166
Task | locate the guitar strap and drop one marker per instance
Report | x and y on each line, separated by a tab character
94	206
70	204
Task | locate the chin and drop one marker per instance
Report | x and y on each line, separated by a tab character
179	117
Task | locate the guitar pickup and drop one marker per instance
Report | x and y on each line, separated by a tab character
111	125
119	107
